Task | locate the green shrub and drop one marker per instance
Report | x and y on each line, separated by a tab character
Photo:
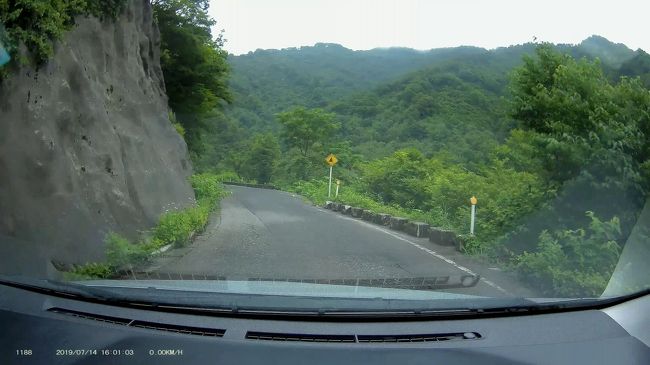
37	23
208	189
177	125
173	228
121	253
179	129
398	178
437	191
92	270
178	227
261	158
199	217
573	263
229	176
103	9
472	245
316	191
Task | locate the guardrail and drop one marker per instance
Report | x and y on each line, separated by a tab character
435	235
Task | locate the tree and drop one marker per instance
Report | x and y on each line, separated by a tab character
304	127
586	124
398	178
262	159
37	24
220	147
573	263
589	136
638	66
193	63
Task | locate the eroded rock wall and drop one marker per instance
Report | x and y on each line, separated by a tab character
86	146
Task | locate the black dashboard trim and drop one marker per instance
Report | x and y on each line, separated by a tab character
339	316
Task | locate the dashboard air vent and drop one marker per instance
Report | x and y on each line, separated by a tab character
269	336
199	331
419	338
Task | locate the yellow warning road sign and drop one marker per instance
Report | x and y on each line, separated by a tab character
473	200
331	159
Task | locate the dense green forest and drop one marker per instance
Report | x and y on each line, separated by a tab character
384	99
552	139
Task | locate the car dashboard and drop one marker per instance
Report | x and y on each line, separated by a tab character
38	328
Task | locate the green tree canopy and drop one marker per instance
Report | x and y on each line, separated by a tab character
38	23
193	62
303	127
398	178
638	66
585	123
262	158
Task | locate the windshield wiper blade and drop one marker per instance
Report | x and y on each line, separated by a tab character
255	305
58	288
414	283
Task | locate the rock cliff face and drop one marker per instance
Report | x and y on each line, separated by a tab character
86	146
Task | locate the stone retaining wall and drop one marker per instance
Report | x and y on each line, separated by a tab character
435	235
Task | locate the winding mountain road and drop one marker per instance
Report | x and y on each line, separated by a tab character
271	234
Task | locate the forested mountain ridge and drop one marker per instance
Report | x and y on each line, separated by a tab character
266	82
639	65
610	53
385	99
451	105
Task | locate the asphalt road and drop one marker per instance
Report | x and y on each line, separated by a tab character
273	234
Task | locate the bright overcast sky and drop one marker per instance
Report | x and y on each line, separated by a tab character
426	24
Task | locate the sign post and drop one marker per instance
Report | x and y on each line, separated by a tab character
338	183
329	188
331	161
473	200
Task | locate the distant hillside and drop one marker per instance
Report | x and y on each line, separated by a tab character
454	105
447	99
385	99
639	65
265	82
612	54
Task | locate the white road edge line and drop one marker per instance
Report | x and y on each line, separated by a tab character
430	252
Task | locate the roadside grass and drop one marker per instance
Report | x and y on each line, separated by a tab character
565	263
316	192
174	228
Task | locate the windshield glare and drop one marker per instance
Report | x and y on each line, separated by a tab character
394	150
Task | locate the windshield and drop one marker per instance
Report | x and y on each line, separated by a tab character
447	154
